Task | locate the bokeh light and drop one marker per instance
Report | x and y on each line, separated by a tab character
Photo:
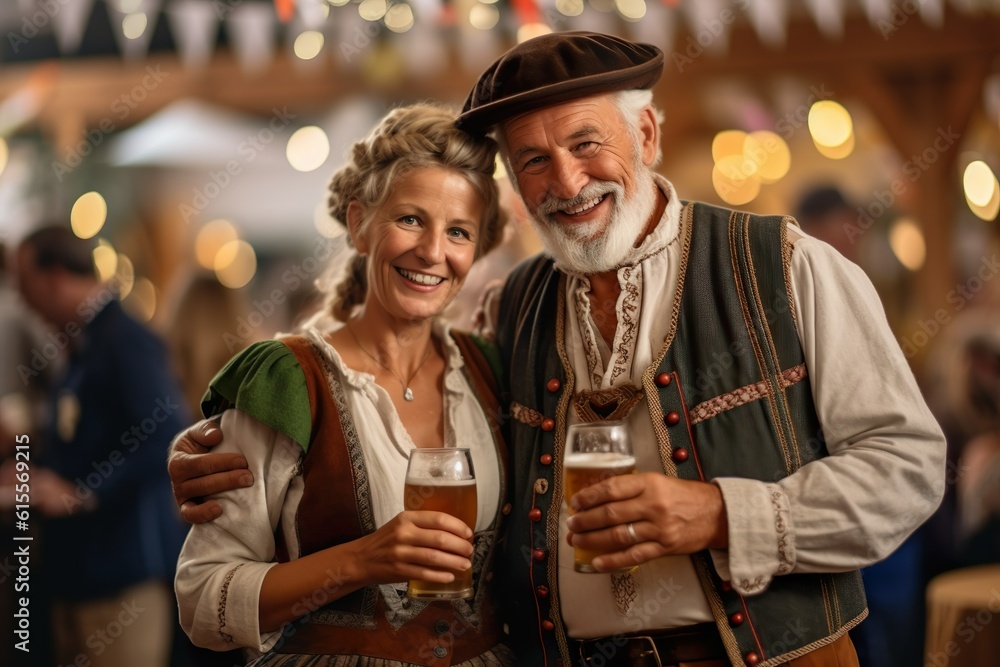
134	25
141	302
4	154
235	264
88	215
830	123
210	240
372	10
308	44
771	154
308	148
732	183
125	276
631	10
569	7
484	17
979	182
907	243
399	18
105	260
836	152
727	143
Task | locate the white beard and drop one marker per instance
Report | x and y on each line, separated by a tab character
581	247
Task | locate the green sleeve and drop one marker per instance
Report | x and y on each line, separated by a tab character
266	382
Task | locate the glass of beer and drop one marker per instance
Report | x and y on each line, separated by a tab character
442	480
595	451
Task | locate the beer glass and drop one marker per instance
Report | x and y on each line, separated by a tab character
442	480
595	451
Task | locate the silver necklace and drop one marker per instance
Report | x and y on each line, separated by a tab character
407	392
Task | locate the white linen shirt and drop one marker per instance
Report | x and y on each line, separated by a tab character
223	563
884	475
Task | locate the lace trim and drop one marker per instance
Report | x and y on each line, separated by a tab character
223	599
743	395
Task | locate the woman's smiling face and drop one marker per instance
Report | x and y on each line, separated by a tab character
420	242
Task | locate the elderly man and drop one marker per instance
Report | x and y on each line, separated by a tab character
780	439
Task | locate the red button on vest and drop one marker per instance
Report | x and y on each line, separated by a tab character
736	619
553	385
672	418
726	586
546	459
752	659
506	509
535	514
663	379
538	554
543	591
680	455
549	625
548	424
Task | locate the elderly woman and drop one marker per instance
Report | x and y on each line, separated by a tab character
306	567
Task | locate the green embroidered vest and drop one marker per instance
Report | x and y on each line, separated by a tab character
735	397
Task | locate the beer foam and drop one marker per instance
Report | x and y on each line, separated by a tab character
437	481
599	460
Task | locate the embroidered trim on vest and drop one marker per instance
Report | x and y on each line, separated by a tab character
559	450
615	403
784	658
740	255
223	599
526	415
652	395
366	618
631	300
786	259
743	395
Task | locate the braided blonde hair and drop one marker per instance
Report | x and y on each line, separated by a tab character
420	135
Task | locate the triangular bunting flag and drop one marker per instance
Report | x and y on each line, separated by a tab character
70	22
250	27
195	25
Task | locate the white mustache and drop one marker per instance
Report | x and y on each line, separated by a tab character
551	205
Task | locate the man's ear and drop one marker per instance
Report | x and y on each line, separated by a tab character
355	218
649	135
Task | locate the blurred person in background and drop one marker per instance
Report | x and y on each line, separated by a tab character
200	332
111	532
200	329
979	462
25	374
326	420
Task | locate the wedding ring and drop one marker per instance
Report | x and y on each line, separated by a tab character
631	533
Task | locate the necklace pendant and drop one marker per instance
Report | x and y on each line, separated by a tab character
408	394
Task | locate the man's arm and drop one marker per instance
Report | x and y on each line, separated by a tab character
885	473
196	473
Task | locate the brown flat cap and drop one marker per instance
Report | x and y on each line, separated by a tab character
557	68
